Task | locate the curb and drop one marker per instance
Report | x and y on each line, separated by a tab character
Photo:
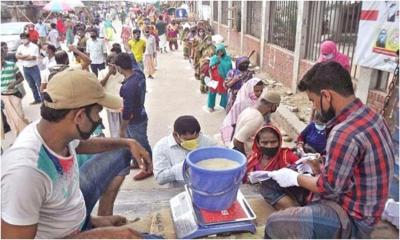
289	121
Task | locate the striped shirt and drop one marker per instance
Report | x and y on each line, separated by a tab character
9	71
359	162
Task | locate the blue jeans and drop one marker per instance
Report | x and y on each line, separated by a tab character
97	67
138	131
32	76
96	174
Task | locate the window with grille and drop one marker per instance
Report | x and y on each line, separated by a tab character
224	12
253	23
215	11
283	23
236	15
333	20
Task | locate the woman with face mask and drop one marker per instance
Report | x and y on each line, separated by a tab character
269	155
198	44
206	51
329	52
236	78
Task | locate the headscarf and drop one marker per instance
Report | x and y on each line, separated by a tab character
283	158
241	60
330	47
226	61
244	99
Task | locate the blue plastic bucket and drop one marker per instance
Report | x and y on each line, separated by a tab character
213	190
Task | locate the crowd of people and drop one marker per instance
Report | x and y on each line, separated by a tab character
334	184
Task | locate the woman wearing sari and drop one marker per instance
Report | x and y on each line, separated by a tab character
198	44
246	97
206	51
236	78
269	155
172	35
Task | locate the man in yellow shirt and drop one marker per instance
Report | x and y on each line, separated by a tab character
138	47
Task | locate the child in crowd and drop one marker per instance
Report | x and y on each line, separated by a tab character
313	138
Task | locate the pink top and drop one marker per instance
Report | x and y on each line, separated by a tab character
329	52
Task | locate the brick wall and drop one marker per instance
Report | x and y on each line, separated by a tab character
251	43
376	99
214	25
223	31
278	63
234	43
305	65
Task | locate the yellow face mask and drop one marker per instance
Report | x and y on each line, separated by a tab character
190	144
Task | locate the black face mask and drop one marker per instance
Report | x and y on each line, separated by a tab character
243	67
269	152
327	115
93	37
86	135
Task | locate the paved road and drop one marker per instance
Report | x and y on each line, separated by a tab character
173	92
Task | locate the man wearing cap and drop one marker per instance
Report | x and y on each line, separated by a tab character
252	119
45	193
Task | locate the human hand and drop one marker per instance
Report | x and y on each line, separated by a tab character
141	155
310	163
112	69
285	177
11	86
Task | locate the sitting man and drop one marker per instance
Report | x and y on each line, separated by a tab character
350	190
170	152
252	119
45	194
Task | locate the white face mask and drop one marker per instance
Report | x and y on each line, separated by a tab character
320	127
328	56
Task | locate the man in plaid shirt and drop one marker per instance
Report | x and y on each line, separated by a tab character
350	191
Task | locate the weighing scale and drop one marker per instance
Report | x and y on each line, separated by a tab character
193	222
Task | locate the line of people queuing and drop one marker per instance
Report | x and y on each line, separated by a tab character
65	172
340	192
